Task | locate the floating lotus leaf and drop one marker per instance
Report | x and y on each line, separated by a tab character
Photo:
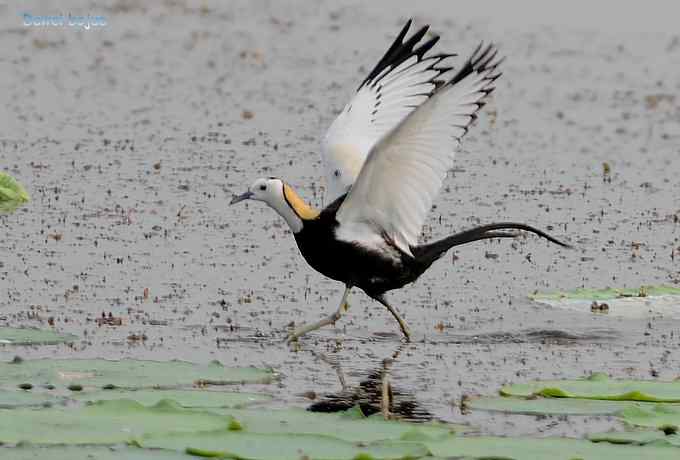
662	416
259	446
281	435
124	373
491	447
12	194
16	397
89	453
106	422
607	293
639	437
552	406
348	428
634	303
20	398
30	336
599	386
184	398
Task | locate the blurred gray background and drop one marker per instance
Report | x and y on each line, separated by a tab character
132	137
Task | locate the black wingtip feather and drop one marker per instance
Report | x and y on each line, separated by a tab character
416	37
425	47
402	34
403	49
483	59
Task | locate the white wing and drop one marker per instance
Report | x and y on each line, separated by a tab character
402	80
405	170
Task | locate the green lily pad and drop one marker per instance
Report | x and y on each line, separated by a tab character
638	437
12	194
491	447
347	428
106	422
89	453
253	434
551	406
259	446
599	386
185	398
19	398
632	303
607	293
662	416
30	336
125	373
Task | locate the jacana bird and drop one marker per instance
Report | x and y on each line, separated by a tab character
386	156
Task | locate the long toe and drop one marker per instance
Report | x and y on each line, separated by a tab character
292	337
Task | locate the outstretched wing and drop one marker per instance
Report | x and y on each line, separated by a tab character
403	79
405	170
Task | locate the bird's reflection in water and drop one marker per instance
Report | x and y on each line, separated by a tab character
374	394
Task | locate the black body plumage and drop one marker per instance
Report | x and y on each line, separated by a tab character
378	270
374	271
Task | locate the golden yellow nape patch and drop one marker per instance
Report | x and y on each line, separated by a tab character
302	209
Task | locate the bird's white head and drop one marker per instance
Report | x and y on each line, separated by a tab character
282	198
269	190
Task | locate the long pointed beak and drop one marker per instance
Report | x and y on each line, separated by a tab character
238	198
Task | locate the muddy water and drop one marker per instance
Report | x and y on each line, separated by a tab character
131	139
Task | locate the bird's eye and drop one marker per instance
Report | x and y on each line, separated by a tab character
263	187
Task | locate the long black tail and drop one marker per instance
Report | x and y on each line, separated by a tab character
428	253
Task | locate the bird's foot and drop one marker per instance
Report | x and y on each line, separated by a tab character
293	343
297	333
293	337
406	331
